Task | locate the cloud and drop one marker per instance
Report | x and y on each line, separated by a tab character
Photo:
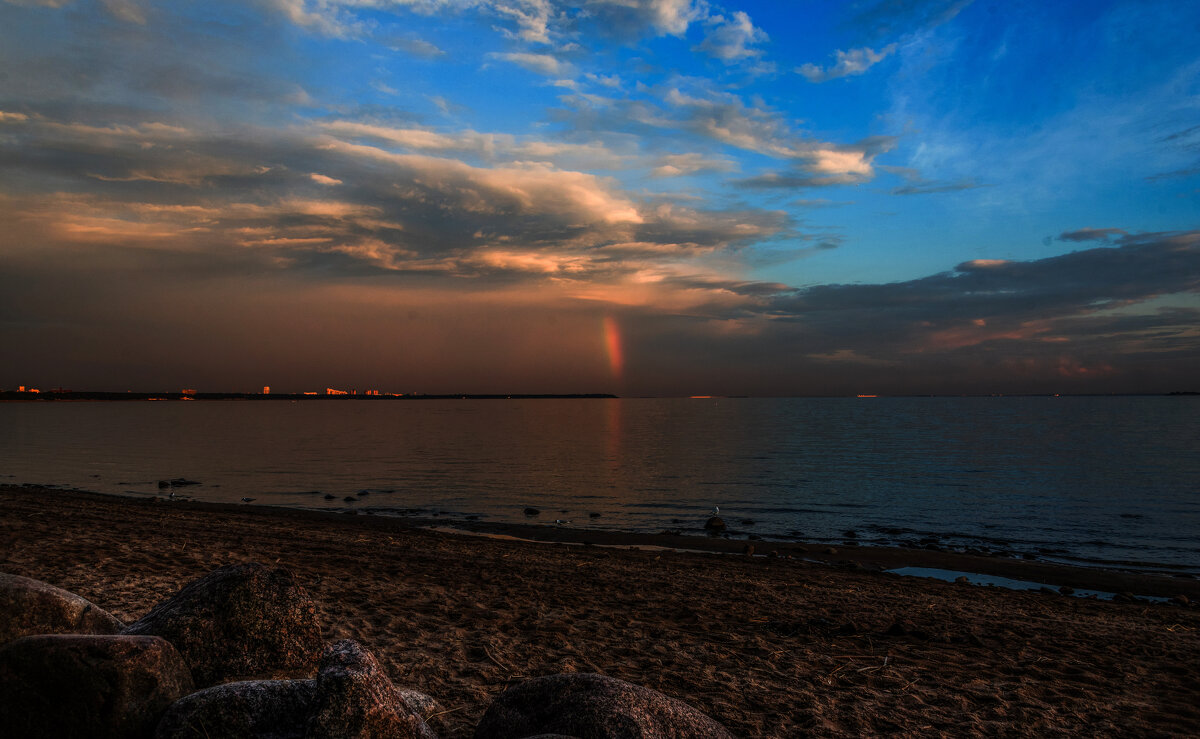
417	47
611	81
986	300
823	165
247	191
678	165
820	203
544	22
129	11
927	188
1185	134
544	64
341	18
1114	318
894	17
384	88
795	180
847	64
724	117
663	17
692	108
409	138
1092	234
40	3
731	39
531	16
1173	174
489	147
329	19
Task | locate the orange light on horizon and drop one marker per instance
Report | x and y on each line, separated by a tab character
612	344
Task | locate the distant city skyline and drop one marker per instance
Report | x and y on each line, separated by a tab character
638	197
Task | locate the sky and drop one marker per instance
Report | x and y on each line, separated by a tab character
642	197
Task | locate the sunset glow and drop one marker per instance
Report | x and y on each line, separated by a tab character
612	347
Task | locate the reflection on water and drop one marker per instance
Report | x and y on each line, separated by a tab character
1110	478
975	578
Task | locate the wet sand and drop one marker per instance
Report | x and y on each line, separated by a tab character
769	646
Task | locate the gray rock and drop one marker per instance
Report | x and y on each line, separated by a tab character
593	707
419	703
33	607
68	685
239	621
351	697
714	524
258	709
356	700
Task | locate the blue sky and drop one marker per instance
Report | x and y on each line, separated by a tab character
476	195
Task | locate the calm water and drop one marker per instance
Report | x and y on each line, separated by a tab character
1114	479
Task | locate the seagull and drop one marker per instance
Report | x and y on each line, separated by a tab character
716	511
561	522
249	500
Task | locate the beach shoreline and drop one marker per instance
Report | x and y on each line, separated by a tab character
805	641
1155	581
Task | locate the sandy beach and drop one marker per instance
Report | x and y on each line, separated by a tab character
806	643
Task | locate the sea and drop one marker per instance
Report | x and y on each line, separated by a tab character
1104	481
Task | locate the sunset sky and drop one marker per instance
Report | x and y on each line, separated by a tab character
632	196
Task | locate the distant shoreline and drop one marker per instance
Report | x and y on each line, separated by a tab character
10	396
13	395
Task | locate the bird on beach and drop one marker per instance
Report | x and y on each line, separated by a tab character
716	511
249	500
561	522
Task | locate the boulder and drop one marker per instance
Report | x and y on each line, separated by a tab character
592	706
34	607
351	697
714	524
355	699
67	685
277	709
239	621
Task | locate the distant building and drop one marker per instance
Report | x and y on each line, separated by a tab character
266	390
335	391
187	391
